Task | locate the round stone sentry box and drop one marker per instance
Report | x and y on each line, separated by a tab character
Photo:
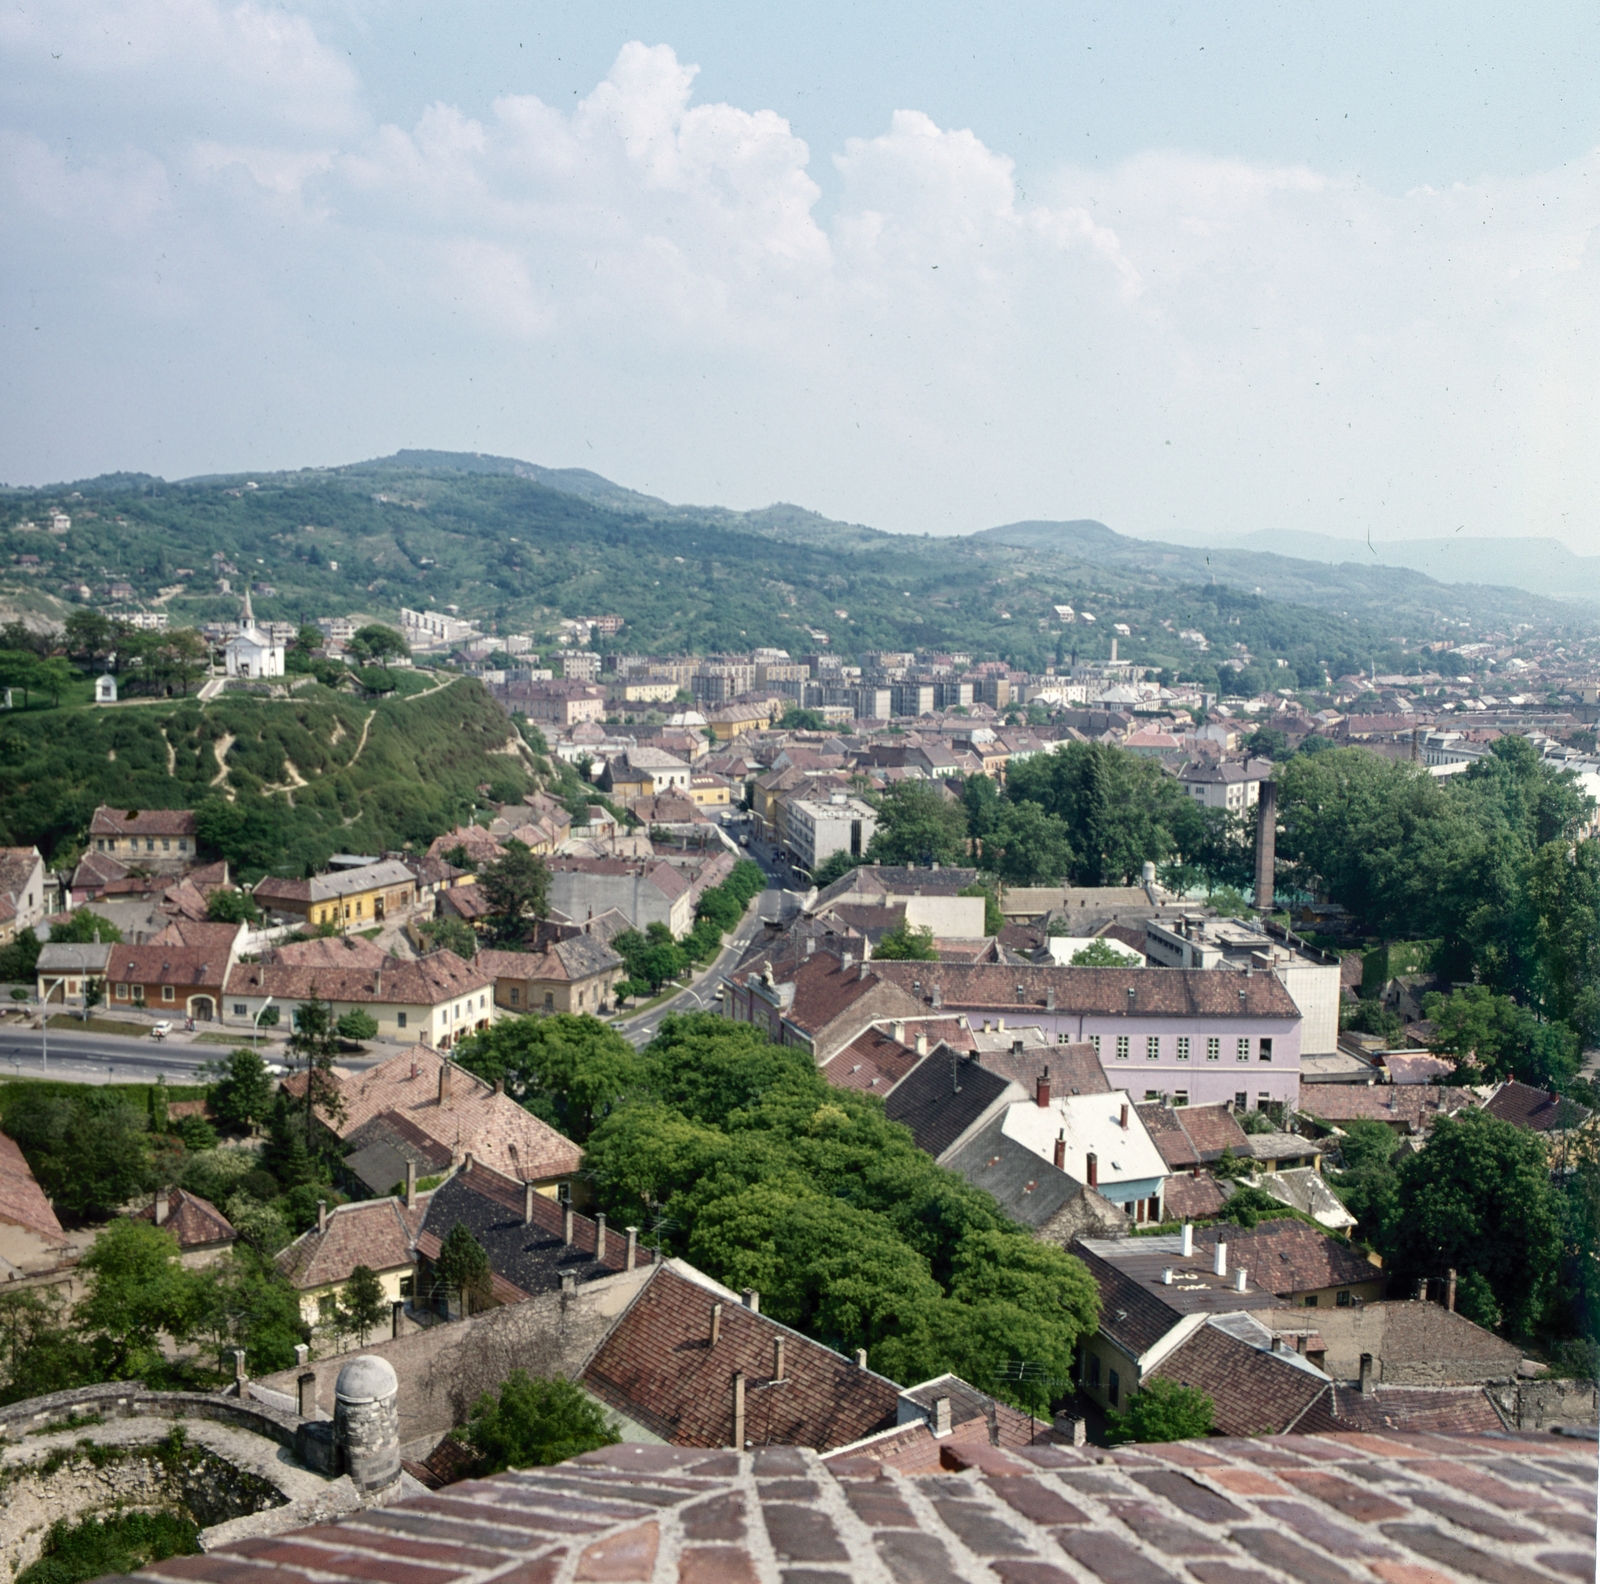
366	1421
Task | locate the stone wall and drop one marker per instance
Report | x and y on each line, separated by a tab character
133	1465
445	1369
1543	1404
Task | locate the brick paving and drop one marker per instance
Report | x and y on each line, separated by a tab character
1324	1509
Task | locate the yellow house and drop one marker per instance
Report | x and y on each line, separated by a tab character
378	1233
711	791
353	898
645	691
734	720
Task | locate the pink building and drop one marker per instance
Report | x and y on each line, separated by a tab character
1198	1037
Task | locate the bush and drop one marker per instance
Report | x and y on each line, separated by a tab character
1162	1410
197	1134
97	1547
535	1422
356	1026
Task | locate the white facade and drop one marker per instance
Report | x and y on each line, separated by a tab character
253	652
105	689
815	830
1099	1139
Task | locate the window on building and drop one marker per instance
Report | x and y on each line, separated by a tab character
1063	1039
1264	1049
1311	1302
580	997
549	1001
240	1009
400	1020
327	1308
1213	1049
150	845
1094	1039
166	846
183	844
1343	1300
1263	1100
1244	1048
1122	1047
1183	1047
1152	1048
122	992
167	993
516	996
1114	1388
1180	1097
1094	1369
1241	1101
1151	1096
407	1286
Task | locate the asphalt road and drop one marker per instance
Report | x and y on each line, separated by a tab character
700	996
100	1058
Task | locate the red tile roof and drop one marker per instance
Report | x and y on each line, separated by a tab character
107	821
1104	992
1253	1392
659	1367
187	967
193	1221
1539	1110
1409	1107
22	1200
1285	1257
377	1233
427	982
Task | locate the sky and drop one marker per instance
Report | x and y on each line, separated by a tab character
1198	271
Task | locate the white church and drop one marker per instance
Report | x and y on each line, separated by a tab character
252	653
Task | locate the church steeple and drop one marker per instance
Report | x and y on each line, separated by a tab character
248	625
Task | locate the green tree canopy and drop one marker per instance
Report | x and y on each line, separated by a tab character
356	1025
231	907
362	1306
571	1071
1100	954
533	1422
1163	1410
463	1265
907	942
243	1097
1478	1198
89	1151
517	887
918	824
1490	1038
82	926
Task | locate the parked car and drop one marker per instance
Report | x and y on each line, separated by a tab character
161	1030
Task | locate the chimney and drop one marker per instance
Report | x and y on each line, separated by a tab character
845	959
322	1215
569	1281
1219	1259
861	1358
1061	1150
955	1073
1450	1289
1300	1342
527	1204
414	1069
1166	1275
162	1207
1041	1092
1365	1384
738	1411
865	970
566	1226
1277	1344
500	1085
777	1359
936	1000
922	1045
301	1353
600	1236
1050	998
1187	1246
941	1416
1239	1278
1266	845
308	1394
999	1025
633	1248
751	1299
1124	1116
444	1083
397	1309
1092	1169
240	1378
811	945
897	1031
411	1185
716	1324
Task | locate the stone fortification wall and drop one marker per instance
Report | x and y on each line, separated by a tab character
442	1371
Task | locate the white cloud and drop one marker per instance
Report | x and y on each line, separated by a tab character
654	287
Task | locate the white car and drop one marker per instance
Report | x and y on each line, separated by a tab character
275	1069
161	1030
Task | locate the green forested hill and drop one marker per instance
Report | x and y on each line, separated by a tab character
521	547
281	784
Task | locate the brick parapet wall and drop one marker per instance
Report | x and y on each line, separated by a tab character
1341	1509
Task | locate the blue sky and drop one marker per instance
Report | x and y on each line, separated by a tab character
1194	270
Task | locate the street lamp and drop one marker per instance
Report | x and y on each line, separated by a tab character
255	1028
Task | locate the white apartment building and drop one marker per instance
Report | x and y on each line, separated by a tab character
817	828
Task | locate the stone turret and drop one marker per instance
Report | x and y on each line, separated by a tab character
366	1422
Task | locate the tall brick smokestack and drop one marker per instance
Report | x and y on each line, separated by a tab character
1266	844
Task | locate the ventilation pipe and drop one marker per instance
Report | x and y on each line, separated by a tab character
1219	1260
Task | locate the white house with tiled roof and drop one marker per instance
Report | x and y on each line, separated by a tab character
437	999
378	1233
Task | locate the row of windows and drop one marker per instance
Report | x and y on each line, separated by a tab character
1153	1044
102	845
1241	1099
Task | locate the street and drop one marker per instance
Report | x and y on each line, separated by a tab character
101	1058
